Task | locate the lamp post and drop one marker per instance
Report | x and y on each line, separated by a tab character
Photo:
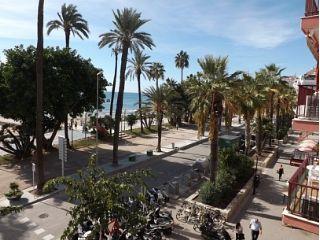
255	179
98	74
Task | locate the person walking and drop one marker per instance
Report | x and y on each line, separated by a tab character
239	232
177	126
256	228
280	172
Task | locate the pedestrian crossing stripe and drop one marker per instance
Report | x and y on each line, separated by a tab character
48	237
39	231
24	220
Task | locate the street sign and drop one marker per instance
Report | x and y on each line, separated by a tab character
62	148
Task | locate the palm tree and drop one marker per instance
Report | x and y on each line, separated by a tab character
247	105
156	72
70	21
215	79
139	65
115	51
156	97
39	117
125	35
182	61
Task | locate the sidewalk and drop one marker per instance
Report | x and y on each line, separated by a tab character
267	204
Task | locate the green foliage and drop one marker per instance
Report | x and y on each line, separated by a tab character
131	120
99	196
234	169
206	192
10	209
69	86
14	191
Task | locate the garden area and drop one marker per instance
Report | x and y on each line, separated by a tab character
234	170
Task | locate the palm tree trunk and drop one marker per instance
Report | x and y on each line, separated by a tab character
139	92
247	134
213	136
39	114
277	117
66	134
259	131
271	115
181	74
114	82
159	120
157	84
124	58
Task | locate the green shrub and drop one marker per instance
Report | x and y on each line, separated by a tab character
206	192
131	120
224	186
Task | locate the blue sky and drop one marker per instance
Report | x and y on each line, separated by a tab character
252	33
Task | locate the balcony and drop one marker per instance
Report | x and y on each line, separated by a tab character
311	8
302	209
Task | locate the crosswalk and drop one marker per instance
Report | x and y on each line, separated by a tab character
40	232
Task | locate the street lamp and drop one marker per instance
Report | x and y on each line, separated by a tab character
98	74
255	178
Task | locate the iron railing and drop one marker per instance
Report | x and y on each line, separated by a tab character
312	8
303	200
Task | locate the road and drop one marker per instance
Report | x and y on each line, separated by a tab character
46	220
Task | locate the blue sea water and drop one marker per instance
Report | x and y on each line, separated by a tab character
130	102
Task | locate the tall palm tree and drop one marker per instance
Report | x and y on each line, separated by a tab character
156	97
138	67
127	23
156	72
39	114
182	61
70	21
216	77
247	105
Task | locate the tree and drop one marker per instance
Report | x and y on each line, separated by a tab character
138	67
215	82
69	87
247	104
156	97
115	51
127	23
102	198
39	111
70	21
156	72
182	61
131	120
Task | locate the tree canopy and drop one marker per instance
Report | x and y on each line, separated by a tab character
69	86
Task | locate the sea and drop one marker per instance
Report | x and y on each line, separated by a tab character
130	102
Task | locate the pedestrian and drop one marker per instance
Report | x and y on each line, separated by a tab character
177	126
280	172
239	232
256	228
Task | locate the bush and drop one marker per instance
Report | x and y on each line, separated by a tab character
131	120
224	186
206	192
14	192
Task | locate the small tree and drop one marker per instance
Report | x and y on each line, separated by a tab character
100	197
131	120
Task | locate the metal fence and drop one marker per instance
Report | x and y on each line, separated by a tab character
303	200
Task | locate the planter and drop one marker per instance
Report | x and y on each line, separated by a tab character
149	153
15	197
132	158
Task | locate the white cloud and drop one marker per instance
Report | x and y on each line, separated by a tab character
243	22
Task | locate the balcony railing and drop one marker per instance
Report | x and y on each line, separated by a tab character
311	108
312	8
303	199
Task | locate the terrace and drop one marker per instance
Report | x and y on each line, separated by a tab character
302	209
